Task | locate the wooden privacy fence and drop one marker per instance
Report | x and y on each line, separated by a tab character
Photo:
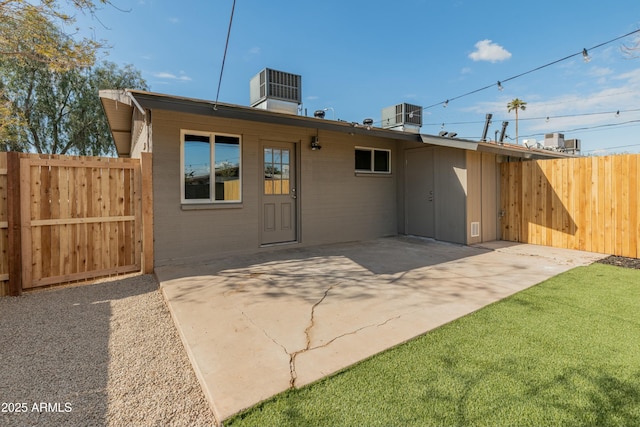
588	203
66	219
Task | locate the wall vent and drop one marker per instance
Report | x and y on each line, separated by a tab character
475	229
405	117
276	91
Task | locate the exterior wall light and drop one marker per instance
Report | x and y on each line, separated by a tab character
315	143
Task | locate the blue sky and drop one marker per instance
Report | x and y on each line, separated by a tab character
357	57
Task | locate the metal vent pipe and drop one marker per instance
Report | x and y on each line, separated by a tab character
486	127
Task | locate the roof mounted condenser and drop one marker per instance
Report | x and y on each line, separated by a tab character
275	90
572	146
554	140
403	117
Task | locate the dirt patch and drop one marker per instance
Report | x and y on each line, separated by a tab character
621	261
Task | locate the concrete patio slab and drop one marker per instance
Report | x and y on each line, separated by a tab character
256	325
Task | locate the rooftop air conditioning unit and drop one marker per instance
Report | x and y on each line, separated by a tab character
554	140
276	91
404	117
572	146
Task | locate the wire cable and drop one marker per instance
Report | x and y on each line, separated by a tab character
224	56
499	82
563	116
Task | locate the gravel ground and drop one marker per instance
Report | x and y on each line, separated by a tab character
621	261
100	354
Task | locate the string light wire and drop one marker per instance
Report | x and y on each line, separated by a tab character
502	81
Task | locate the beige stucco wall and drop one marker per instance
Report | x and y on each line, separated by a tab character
483	178
335	205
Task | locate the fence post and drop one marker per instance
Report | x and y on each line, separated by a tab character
146	170
14	222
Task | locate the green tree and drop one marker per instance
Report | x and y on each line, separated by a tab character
25	32
515	105
30	34
59	112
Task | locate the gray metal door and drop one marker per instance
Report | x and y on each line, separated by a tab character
420	196
279	199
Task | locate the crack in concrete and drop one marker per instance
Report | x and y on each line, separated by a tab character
292	356
246	316
377	325
263	331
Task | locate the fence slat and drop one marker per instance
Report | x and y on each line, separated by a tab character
590	204
14	222
146	195
4	226
27	268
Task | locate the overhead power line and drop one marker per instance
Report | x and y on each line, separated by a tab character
608	125
584	52
628	123
546	118
224	56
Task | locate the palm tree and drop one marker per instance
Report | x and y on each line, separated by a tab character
515	105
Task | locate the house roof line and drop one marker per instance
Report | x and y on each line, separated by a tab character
120	118
232	111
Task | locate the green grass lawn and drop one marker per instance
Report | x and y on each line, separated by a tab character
565	352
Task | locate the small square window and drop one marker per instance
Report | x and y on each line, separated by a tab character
372	160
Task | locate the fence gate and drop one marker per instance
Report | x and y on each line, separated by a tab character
79	218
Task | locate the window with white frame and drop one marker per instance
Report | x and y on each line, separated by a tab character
373	160
210	167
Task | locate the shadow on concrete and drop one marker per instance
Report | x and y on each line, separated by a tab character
302	272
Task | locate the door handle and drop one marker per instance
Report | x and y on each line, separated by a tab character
293	193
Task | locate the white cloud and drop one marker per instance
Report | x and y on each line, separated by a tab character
486	50
251	53
174	20
171	76
600	71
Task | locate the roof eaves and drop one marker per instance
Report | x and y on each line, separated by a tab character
231	111
442	141
118	108
521	152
